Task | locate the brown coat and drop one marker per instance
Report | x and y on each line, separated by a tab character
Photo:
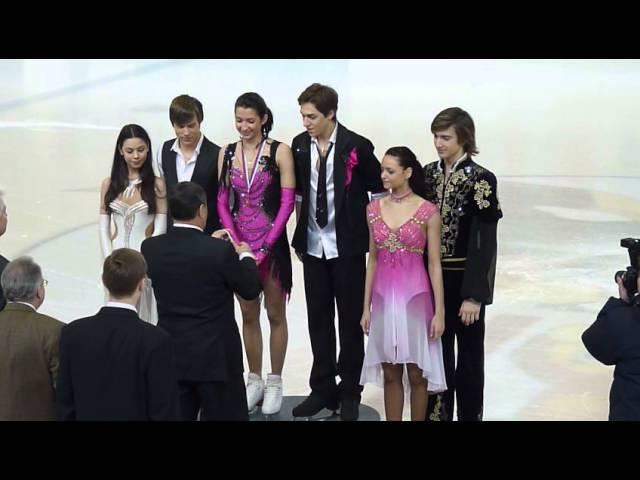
28	363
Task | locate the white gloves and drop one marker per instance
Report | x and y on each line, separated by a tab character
159	224
105	235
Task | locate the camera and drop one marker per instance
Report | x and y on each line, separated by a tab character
630	275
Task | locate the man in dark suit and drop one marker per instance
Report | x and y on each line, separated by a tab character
3	261
190	157
467	196
335	169
28	346
194	278
113	365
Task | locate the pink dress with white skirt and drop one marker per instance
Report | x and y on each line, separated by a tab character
402	305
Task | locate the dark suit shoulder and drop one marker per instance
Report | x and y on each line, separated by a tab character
300	138
155	336
483	173
124	321
220	252
354	137
619	306
132	318
196	238
487	176
221	247
431	167
152	241
210	144
79	324
617	320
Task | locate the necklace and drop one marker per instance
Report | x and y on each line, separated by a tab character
259	150
133	183
399	198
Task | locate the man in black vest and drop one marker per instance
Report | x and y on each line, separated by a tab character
190	157
335	169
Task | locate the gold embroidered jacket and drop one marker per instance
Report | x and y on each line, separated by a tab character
470	211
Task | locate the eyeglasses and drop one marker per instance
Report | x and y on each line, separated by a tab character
45	282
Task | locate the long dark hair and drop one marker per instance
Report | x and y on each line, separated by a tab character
120	172
256	102
406	158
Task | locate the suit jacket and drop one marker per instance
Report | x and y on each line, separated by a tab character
205	174
3	263
352	233
470	211
194	277
614	339
114	366
28	363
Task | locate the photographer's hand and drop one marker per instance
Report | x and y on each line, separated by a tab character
469	311
624	295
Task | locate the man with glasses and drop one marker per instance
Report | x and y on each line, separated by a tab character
28	345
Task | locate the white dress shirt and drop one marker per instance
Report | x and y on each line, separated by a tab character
321	240
121	305
184	167
455	164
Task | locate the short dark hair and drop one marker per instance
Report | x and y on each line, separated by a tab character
184	108
122	271
323	97
184	200
463	125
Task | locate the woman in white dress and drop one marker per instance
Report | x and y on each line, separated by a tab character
133	204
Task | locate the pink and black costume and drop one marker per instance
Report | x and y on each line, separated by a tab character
255	209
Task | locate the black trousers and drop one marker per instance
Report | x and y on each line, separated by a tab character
465	377
327	283
216	401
